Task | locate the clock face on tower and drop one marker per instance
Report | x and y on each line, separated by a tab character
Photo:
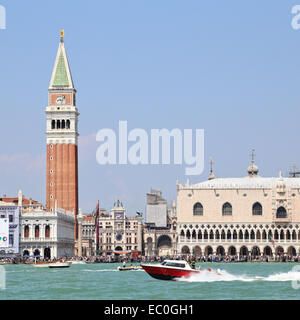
119	215
119	237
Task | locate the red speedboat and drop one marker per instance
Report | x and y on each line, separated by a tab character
172	269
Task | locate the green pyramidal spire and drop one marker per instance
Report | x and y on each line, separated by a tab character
61	76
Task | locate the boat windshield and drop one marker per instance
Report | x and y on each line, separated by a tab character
173	264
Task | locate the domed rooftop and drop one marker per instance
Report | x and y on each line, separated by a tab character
253	168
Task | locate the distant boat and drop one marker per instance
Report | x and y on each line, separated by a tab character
131	268
59	265
42	264
77	262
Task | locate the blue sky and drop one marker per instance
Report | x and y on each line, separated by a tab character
229	67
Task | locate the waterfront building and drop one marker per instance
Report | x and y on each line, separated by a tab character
12	208
159	231
248	216
62	138
89	229
119	233
89	235
10	211
49	234
156	210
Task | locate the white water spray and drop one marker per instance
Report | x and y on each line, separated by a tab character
212	276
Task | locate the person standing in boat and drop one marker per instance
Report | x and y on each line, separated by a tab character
124	264
193	264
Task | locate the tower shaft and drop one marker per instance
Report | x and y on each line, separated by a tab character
62	139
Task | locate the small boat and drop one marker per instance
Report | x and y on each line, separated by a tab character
77	262
131	268
172	269
59	265
42	264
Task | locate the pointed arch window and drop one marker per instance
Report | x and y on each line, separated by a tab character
281	213
223	236
58	124
188	234
53	124
68	124
194	235
63	124
257	209
258	236
234	234
198	209
241	235
246	235
228	235
227	209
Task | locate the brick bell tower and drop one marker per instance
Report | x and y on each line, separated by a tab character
62	138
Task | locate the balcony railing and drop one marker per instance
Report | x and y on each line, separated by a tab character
182	239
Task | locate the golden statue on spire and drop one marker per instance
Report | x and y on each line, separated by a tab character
62	34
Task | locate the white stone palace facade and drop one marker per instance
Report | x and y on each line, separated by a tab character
49	234
239	216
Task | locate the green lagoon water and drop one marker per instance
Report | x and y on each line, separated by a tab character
104	282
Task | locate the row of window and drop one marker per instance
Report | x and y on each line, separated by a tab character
10	217
37	232
60	124
257	210
240	235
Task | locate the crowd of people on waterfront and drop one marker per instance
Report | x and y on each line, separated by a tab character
226	258
122	258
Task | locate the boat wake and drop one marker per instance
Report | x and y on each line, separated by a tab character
104	270
212	276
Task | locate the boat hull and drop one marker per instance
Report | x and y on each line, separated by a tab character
42	265
60	265
163	273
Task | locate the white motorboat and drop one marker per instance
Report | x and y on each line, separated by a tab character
172	269
77	262
59	265
42	264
